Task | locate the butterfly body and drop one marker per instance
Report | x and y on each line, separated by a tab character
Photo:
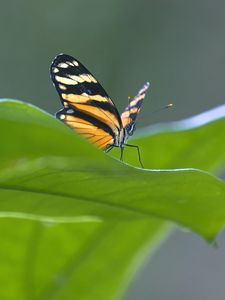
88	109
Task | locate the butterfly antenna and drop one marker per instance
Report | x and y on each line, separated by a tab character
170	105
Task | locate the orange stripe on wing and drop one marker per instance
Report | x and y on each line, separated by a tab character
100	114
75	98
86	129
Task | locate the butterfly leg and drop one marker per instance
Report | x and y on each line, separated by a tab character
139	155
112	146
108	148
121	153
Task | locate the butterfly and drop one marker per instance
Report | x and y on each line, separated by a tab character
89	110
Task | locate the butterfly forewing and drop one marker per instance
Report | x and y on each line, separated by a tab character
68	71
130	113
87	107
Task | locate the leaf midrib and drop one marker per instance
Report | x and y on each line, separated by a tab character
85	199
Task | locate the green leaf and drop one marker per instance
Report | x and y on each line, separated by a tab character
106	212
89	260
50	168
196	142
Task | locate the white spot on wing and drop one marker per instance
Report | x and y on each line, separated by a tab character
75	63
76	78
85	77
62	87
92	78
55	70
65	80
63	65
62	117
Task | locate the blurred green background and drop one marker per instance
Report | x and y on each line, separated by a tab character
179	46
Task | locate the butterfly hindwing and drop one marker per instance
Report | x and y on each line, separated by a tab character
82	95
88	127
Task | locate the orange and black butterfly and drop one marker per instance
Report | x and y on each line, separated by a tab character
89	110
